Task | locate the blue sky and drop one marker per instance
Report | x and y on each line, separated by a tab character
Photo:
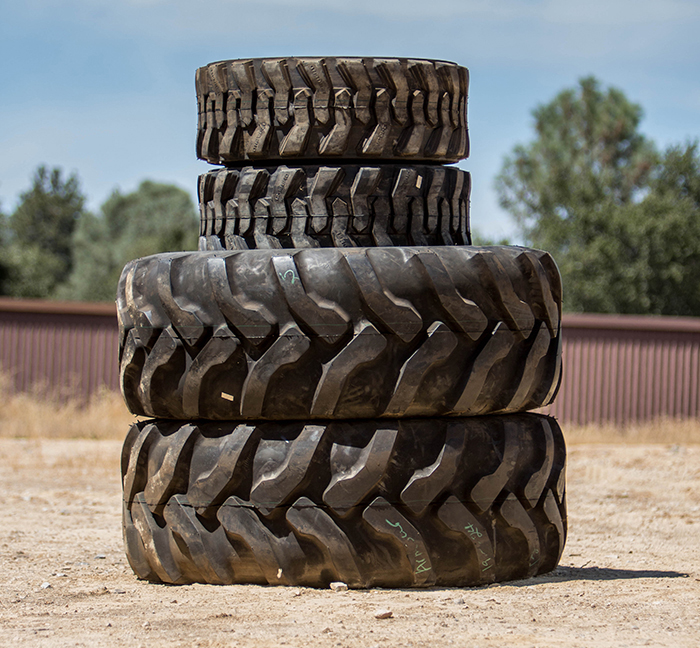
105	88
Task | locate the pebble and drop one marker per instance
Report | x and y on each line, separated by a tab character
45	585
100	557
339	586
296	592
146	624
383	614
459	601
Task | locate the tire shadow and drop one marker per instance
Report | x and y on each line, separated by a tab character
564	574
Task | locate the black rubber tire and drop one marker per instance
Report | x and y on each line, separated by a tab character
319	108
403	503
333	206
415	502
334	333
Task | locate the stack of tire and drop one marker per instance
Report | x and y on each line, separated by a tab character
339	381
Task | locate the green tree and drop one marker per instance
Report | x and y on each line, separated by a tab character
621	220
39	234
154	218
4	264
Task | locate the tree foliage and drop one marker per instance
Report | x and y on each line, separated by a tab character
37	237
154	218
4	262
51	247
622	220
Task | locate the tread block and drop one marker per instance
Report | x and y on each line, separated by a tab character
277	558
215	469
285	350
537	482
351	483
211	557
365	347
435	350
458	518
280	467
311	522
426	484
156	542
516	516
162	484
388	522
488	488
135	549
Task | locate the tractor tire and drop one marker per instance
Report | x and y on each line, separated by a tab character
332	109
332	333
400	503
333	206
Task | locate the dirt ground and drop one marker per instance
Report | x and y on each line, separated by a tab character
629	576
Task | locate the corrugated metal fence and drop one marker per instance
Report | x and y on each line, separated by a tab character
625	369
62	348
617	369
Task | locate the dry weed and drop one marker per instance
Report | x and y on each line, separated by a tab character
40	414
661	430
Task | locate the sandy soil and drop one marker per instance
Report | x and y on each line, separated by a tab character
630	574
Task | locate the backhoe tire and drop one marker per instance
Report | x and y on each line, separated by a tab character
333	206
327	108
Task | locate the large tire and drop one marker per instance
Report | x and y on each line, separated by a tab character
334	206
340	333
403	503
332	108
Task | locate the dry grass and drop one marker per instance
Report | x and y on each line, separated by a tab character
42	415
662	430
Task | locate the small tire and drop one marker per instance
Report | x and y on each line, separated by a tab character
319	108
332	333
333	206
402	503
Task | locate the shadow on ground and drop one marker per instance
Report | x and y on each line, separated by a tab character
563	574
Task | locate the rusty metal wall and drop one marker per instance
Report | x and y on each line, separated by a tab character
617	369
624	369
65	349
